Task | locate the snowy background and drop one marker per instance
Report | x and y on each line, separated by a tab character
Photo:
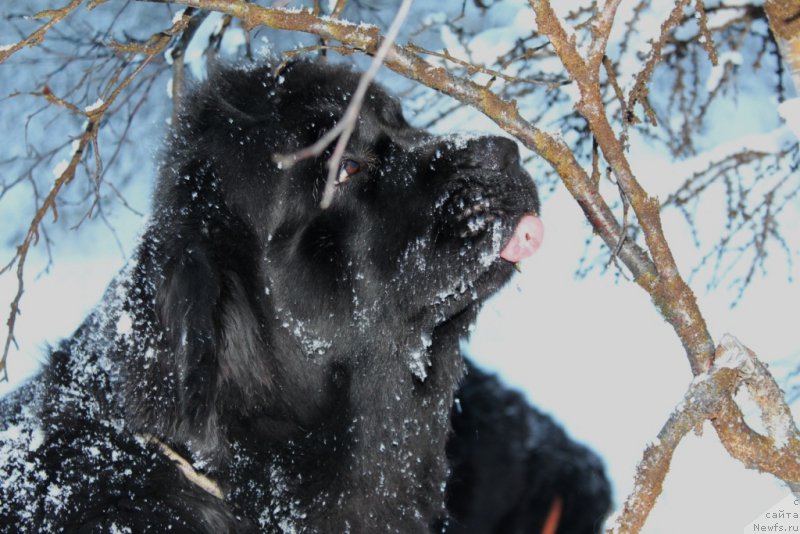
592	351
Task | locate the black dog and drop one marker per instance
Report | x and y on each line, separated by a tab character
267	365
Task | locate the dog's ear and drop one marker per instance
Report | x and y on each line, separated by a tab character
188	304
223	104
208	320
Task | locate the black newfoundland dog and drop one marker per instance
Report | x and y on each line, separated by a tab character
265	365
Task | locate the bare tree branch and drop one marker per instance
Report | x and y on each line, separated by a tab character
35	38
65	172
177	54
667	288
639	91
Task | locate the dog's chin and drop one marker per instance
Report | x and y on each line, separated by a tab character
486	275
492	248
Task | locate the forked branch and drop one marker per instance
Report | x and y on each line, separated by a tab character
710	398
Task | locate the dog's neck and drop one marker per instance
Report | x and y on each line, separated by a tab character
385	443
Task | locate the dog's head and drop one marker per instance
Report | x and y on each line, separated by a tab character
417	222
421	229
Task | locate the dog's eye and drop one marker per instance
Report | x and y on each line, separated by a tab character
348	168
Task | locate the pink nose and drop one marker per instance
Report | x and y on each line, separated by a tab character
525	241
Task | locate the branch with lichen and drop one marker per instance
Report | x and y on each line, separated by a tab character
710	398
668	290
784	21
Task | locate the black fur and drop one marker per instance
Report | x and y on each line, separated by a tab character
305	359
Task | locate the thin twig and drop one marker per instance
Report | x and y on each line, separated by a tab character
344	128
473	69
639	91
177	54
35	38
338	9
